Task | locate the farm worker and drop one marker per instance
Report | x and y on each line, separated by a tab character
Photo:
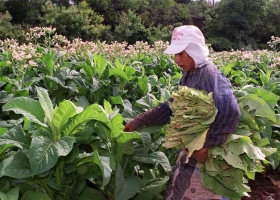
199	72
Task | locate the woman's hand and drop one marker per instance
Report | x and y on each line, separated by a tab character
134	124
201	155
130	127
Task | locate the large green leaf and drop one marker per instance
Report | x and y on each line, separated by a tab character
250	149
116	125
266	95
214	183
194	142
118	73
155	157
143	84
105	163
146	140
96	85
266	127
111	113
129	72
65	110
48	60
56	80
228	68
106	169
4	148
88	69
212	167
46	104
247	118
76	123
86	135
164	94
16	136
16	166
44	152
5	96
233	179
12	194
233	160
30	108
258	106
90	193
119	65
150	129
147	102
3	130
124	144
34	195
126	187
107	107
3	63
152	188
100	64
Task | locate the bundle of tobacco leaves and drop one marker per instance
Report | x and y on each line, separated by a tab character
193	112
246	151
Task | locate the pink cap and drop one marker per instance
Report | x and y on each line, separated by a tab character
182	36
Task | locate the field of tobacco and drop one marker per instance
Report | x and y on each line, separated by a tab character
64	105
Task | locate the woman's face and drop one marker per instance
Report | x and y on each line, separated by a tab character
184	61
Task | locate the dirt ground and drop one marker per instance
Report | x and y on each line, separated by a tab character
266	186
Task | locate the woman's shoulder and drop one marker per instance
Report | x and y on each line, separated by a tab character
209	67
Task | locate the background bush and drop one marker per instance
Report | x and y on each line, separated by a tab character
241	24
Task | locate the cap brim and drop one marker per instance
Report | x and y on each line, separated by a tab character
175	48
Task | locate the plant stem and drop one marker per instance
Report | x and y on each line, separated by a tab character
46	189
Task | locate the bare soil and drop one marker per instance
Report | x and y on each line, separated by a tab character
266	185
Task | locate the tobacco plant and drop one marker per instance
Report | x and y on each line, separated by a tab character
69	151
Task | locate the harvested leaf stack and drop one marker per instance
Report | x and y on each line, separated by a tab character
246	150
193	112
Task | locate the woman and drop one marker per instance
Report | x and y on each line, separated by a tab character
199	72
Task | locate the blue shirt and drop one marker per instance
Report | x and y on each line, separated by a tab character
210	79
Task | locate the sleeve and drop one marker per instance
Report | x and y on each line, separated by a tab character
228	115
160	115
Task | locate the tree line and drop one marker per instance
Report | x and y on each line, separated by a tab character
228	24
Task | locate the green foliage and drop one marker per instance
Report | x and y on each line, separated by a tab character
246	24
65	3
61	125
239	24
112	9
155	12
24	11
74	21
7	29
221	44
199	8
143	20
17	9
2	7
62	142
130	28
268	25
160	32
59	148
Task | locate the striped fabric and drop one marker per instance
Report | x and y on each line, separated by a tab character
210	79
